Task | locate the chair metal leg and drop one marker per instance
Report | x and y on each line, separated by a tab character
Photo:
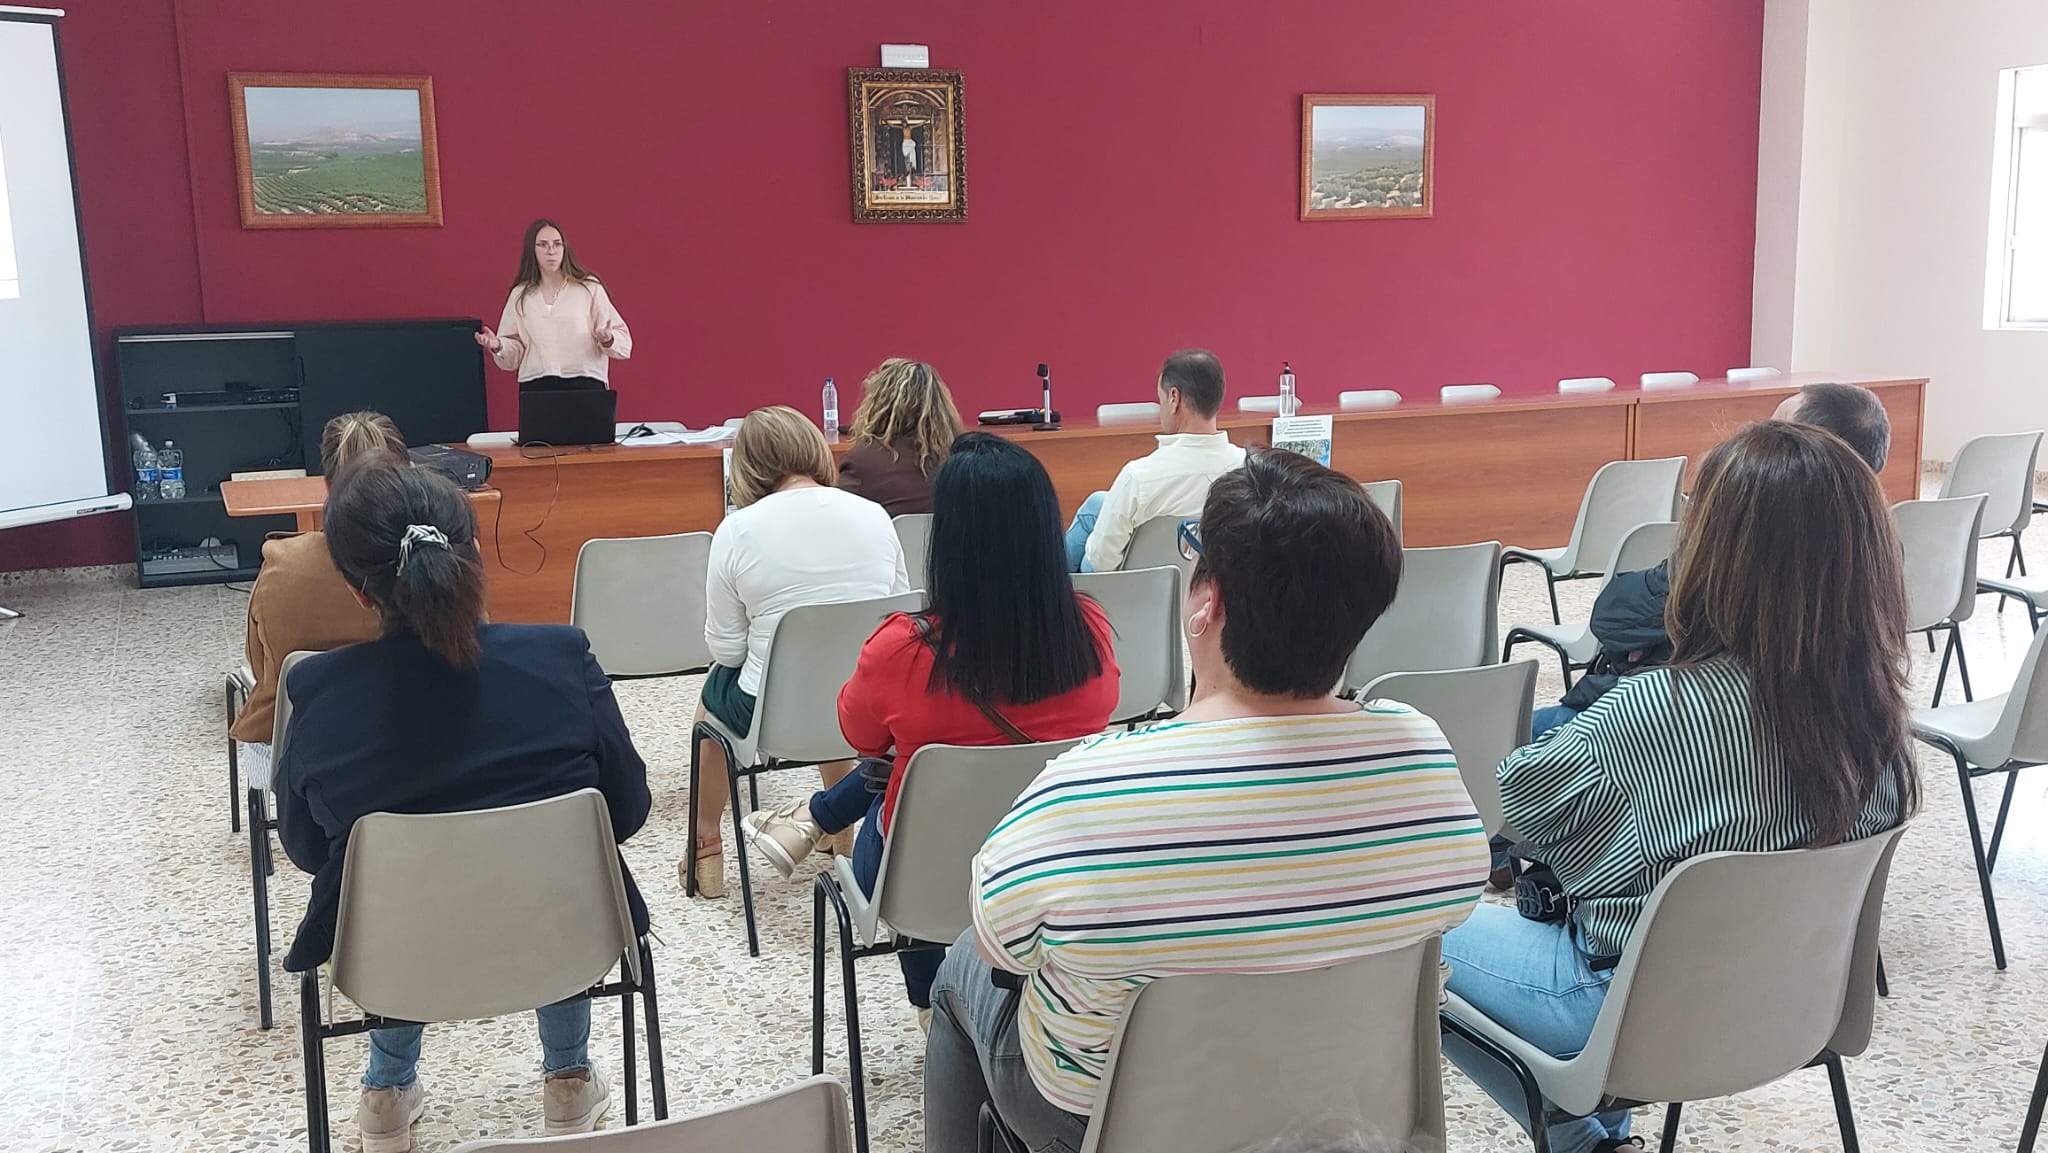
657	1073
2012	781
1962	662
818	973
1977	850
1884	987
1550	580
739	839
856	1075
690	870
2032	1128
234	764
1532	1096
259	889
310	1043
1843	1115
629	1061
1670	1141
1948	649
2014	559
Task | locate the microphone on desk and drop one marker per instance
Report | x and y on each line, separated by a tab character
1048	420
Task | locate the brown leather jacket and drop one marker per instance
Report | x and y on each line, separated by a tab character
299	602
896	483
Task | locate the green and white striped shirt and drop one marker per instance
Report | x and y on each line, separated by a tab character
1661	769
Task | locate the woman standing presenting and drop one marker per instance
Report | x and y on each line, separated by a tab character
559	328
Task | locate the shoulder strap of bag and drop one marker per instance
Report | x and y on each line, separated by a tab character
1001	722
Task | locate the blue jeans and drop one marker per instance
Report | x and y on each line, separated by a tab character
837	808
1079	531
1543	721
973	1057
564	1045
1532	978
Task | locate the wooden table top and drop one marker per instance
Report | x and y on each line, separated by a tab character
290	496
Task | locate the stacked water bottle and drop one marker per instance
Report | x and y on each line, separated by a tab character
159	472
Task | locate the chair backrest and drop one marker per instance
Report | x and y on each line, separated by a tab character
1144	610
1751	959
1644	546
2001	466
1130	411
2022	728
1738	375
1258	404
1651	380
1368	398
811	656
1451	393
1445	615
455	916
1484	711
1212	1063
810	1116
640	600
1622	495
1939	541
1156	544
951	800
281	716
1387	495
914	533
1586	384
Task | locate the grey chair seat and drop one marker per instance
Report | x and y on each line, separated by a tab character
1575	640
1550	558
2027	588
1971	726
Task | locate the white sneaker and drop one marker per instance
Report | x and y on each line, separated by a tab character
574	1102
385	1117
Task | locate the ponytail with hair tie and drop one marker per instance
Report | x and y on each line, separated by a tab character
417	534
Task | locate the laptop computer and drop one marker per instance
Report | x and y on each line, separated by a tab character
562	419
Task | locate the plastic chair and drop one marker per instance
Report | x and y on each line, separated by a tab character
1743	968
241	682
1622	495
640	600
2001	466
1939	541
808	1117
1484	711
1992	735
1258	404
1216	1062
1156	544
1133	411
1739	375
1586	384
466	915
1645	546
1144	610
1453	393
260	824
1651	381
796	715
1444	615
951	799
1387	495
914	533
1368	398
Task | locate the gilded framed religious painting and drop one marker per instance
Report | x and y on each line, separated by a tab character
909	147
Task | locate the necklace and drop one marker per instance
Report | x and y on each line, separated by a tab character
550	304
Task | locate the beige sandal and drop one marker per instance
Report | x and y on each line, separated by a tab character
710	869
781	837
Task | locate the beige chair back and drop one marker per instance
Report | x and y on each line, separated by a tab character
1445	615
1156	544
281	716
640	600
456	916
2021	733
1213	1063
2001	466
1483	711
1387	495
810	1116
914	533
1622	495
810	658
1127	412
1144	610
1939	541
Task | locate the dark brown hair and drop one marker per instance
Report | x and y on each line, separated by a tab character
1787	561
1303	562
529	264
360	438
1851	412
1198	375
433	590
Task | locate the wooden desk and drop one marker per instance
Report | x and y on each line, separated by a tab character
1689	421
304	496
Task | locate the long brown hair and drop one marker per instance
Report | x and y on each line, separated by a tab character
529	264
906	400
1787	561
433	586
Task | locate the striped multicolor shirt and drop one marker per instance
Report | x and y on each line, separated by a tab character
1258	845
1662	768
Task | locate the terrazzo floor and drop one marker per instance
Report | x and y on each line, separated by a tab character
128	989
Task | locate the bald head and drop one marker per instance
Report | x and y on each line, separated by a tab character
1849	411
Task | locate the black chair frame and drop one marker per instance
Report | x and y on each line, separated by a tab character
826	889
1550	579
1986	857
733	774
1954	648
2032	1128
236	701
1519	635
315	1033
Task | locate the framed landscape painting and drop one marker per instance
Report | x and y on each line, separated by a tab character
1367	156
909	148
335	151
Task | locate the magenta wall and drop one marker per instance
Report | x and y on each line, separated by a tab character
1132	174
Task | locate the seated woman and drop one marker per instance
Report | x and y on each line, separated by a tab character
1780	723
1007	650
299	601
901	431
443	713
1273	826
792	540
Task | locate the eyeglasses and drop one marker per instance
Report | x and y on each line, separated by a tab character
1190	540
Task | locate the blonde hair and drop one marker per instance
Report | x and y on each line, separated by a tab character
906	400
774	444
360	438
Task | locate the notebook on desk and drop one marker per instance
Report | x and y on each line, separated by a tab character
561	419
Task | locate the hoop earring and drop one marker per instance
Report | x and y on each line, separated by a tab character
1192	631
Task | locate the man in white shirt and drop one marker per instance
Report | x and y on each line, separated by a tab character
1173	480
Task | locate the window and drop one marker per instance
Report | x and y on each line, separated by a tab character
2017	292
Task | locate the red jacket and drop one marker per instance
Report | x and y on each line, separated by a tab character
886	705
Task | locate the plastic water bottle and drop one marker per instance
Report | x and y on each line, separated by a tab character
831	410
170	471
1288	404
145	470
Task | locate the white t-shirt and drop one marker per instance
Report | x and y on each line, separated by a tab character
1172	480
801	546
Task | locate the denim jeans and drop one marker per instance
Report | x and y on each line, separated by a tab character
564	1045
1532	978
1078	533
837	808
972	1056
1554	717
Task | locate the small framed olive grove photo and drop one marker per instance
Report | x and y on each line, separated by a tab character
1367	156
319	150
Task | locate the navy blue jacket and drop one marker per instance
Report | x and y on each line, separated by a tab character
387	726
1628	621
